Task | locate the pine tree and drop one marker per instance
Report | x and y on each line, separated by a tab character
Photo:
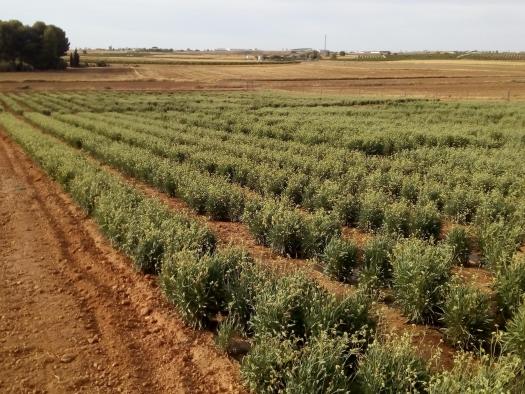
76	58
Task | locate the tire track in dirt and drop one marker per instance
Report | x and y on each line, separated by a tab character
74	316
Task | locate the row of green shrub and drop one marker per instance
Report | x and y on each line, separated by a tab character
202	283
141	227
236	168
305	340
277	172
276	224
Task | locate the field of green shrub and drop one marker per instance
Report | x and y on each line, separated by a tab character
436	189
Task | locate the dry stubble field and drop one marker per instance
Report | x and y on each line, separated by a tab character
459	79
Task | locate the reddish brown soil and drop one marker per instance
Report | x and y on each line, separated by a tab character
74	315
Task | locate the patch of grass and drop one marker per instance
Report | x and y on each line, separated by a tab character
227	330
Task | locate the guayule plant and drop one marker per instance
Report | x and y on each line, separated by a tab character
349	315
397	218
461	205
458	240
339	259
425	222
513	337
322	366
466	315
347	208
321	228
376	270
294	306
269	365
201	287
420	275
281	307
483	373
499	240
371	212
392	366
509	285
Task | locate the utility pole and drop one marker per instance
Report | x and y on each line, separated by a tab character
325	43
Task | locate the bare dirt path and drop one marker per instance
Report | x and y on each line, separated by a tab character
74	315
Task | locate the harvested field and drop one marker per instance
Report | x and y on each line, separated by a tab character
455	79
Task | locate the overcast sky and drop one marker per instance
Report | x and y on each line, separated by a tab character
277	24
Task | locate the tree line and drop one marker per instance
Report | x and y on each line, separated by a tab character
24	47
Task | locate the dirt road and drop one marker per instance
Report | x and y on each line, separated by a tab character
74	315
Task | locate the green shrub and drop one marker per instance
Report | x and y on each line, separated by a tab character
425	222
349	315
295	188
485	375
466	315
226	332
321	228
376	270
278	225
258	218
321	367
85	190
201	287
392	366
223	204
371	212
410	189
325	196
377	256
494	207
509	284
280	307
397	218
513	338
215	200
498	241
347	209
287	231
459	242
269	364
420	275
339	259
461	205
294	306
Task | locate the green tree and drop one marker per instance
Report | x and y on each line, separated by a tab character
39	46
